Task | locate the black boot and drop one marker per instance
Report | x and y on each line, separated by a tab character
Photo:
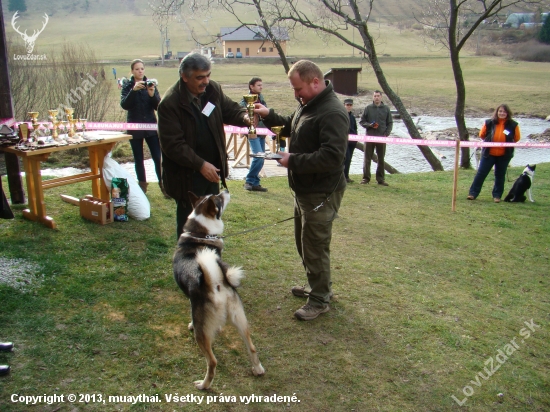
6	346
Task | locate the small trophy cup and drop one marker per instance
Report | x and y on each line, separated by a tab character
35	125
55	123
250	99
69	112
277	130
83	122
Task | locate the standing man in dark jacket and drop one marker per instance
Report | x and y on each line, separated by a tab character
318	131
348	103
191	118
377	121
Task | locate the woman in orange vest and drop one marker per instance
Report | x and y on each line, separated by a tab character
499	128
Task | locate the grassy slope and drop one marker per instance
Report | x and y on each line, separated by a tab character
424	297
423	78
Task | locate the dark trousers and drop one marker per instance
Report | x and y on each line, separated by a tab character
485	165
381	153
137	150
200	187
349	155
313	233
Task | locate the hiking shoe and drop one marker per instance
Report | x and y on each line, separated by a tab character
300	292
364	182
348	180
247	186
308	312
383	184
496	200
470	197
259	188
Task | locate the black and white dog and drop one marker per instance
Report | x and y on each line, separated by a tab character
521	185
209	283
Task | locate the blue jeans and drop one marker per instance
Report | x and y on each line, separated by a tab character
485	166
257	145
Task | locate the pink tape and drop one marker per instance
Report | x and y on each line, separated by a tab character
440	143
7	122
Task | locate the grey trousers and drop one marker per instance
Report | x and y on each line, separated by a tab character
313	233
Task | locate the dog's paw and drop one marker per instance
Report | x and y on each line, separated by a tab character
190	326
201	386
258	370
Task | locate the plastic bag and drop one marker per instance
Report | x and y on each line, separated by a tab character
139	207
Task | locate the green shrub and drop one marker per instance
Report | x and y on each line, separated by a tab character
544	33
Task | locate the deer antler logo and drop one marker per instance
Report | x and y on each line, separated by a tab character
29	40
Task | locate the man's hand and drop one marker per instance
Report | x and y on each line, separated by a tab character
260	110
284	160
210	172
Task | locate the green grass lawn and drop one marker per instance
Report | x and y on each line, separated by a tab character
424	299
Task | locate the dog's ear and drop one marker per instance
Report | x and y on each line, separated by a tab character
193	198
533	167
212	207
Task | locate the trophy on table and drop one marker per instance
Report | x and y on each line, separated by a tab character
83	122
250	99
35	125
55	123
69	112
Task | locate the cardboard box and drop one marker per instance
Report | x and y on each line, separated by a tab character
96	210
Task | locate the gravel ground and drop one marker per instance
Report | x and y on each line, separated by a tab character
20	274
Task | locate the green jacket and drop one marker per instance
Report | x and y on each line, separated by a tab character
318	142
377	114
178	139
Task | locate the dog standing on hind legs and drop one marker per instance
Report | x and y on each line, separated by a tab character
209	283
522	184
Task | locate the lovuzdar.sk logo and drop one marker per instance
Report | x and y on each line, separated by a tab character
29	39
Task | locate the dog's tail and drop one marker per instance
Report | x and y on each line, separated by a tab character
234	275
215	270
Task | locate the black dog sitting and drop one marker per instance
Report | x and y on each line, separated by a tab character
521	185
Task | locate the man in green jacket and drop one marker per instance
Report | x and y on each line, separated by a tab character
191	118
377	121
318	132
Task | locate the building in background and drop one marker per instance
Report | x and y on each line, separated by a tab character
252	41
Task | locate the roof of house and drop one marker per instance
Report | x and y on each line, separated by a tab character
252	33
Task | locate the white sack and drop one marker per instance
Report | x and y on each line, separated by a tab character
138	204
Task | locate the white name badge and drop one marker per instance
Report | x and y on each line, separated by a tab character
506	132
208	109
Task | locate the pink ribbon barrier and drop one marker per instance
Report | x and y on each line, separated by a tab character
7	122
440	143
119	126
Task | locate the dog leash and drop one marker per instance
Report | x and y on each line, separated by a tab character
315	209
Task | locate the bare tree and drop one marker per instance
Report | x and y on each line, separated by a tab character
68	78
335	18
446	25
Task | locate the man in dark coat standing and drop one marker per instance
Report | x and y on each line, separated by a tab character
318	132
348	103
191	118
378	122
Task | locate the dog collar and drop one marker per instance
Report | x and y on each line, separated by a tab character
201	236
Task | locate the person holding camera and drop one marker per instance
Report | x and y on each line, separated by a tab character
377	121
141	98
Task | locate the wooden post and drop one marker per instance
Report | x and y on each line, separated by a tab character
15	184
455	175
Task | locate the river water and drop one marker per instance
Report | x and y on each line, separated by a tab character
404	158
409	159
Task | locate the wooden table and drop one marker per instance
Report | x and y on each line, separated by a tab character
97	150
